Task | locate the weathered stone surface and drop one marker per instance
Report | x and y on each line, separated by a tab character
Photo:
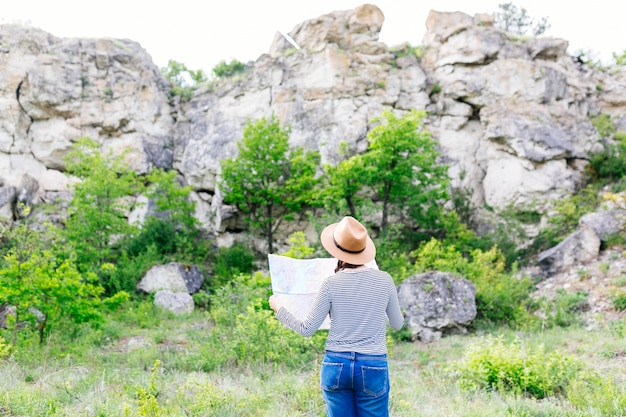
511	115
176	302
580	247
435	303
174	277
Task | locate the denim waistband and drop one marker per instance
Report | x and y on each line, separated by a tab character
357	355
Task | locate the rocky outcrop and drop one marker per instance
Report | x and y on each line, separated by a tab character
511	115
54	91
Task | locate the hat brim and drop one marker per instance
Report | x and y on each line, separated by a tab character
328	242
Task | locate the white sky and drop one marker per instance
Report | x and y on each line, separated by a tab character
201	34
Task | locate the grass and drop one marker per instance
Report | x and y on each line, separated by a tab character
112	372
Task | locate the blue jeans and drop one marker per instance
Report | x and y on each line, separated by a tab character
355	384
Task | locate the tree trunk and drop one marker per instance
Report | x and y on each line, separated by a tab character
269	232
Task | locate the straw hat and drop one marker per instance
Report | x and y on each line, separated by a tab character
348	241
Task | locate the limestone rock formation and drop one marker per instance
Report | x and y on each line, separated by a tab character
511	115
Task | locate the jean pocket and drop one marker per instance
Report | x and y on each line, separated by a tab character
375	380
330	374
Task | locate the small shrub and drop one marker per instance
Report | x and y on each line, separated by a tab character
225	70
619	300
246	331
298	248
146	398
501	297
620	59
407	49
229	262
202	399
492	364
563	310
593	391
5	348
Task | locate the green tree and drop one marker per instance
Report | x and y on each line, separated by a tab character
403	171
268	181
343	185
169	233
182	79
518	22
175	211
42	284
97	211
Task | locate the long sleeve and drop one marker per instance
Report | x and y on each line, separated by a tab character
315	317
394	313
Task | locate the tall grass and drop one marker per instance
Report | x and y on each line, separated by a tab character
145	363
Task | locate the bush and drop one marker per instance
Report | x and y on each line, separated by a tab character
619	300
563	310
224	70
609	165
592	391
501	297
5	348
491	364
230	262
246	331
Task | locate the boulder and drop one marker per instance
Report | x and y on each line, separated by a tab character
580	247
175	277
437	303
176	302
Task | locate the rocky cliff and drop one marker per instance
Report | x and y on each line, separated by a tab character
511	115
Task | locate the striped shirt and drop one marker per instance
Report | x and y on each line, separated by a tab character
360	303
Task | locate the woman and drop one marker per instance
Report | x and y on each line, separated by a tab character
361	300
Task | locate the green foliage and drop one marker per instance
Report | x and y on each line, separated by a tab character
492	364
393	254
518	22
604	125
608	165
173	229
171	233
246	331
183	81
44	286
620	59
5	348
406	49
97	210
225	70
596	392
401	168
146	398
129	269
298	247
619	300
501	297
563	310
564	216
205	398
229	262
268	181
343	184
116	301
507	231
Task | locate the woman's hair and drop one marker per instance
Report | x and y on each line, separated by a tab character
341	265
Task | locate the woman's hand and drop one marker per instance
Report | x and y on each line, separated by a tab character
275	302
